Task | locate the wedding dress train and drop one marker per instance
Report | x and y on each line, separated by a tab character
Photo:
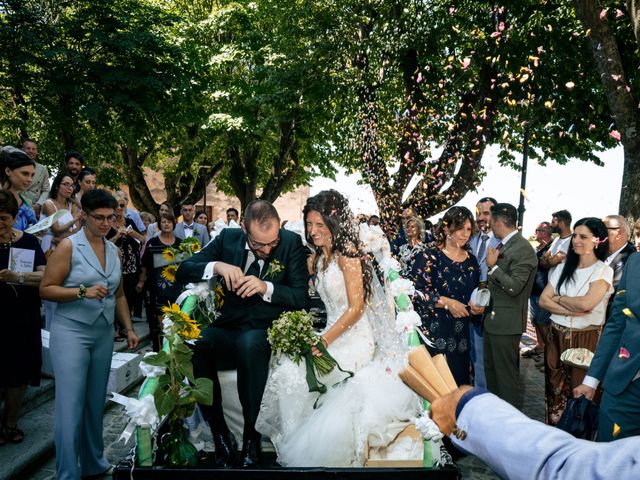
371	406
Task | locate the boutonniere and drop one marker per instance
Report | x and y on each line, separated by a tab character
275	267
624	353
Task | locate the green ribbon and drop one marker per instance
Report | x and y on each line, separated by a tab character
314	384
393	275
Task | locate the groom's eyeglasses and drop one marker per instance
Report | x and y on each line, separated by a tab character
257	245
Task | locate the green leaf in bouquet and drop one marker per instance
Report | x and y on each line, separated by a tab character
182	354
186	399
165	400
186	369
160	359
203	390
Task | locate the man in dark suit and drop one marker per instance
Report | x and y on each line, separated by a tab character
617	361
512	268
264	273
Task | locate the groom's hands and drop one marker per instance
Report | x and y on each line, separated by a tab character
232	275
251	285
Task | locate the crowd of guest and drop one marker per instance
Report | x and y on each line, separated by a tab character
563	280
477	280
91	262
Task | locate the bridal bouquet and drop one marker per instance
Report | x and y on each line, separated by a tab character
292	334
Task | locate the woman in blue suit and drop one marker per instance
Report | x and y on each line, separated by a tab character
83	276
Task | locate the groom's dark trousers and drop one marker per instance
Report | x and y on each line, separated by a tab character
237	339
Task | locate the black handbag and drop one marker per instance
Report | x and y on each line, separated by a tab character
580	418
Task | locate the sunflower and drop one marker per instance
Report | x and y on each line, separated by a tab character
168	254
190	329
173	309
169	273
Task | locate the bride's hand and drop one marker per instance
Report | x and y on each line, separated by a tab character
315	351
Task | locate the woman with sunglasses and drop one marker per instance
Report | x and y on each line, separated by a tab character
83	276
60	198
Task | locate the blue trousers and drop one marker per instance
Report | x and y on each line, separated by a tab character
477	354
81	359
623	410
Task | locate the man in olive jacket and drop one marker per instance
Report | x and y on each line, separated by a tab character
512	268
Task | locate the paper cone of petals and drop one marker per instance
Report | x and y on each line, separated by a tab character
440	361
422	362
418	384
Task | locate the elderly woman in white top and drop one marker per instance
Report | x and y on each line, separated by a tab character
576	296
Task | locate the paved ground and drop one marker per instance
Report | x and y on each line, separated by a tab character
531	378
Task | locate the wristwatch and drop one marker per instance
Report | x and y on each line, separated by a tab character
21	278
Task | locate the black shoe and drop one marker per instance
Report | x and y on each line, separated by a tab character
226	449
251	456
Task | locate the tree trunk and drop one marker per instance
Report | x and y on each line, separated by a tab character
138	189
623	105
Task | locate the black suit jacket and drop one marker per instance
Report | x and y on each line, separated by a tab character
290	285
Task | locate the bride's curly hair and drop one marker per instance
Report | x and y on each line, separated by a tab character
337	216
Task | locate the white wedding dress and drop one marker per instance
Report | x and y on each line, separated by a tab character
373	405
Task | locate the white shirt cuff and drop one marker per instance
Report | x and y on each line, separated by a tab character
267	295
208	271
591	382
493	269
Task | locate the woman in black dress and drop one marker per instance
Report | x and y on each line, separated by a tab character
160	291
445	276
21	268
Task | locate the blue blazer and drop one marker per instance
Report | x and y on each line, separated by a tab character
518	448
86	270
622	329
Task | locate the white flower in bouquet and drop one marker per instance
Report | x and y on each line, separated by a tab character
149	370
372	237
406	321
389	263
402	285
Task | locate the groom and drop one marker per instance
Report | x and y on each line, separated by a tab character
263	271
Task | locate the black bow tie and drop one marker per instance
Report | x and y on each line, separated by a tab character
190	227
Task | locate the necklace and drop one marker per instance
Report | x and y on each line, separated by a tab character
5	245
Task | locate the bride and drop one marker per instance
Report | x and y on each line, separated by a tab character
331	430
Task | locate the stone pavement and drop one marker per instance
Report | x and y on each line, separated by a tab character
532	398
34	458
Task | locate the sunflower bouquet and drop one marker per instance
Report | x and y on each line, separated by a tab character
178	390
174	256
